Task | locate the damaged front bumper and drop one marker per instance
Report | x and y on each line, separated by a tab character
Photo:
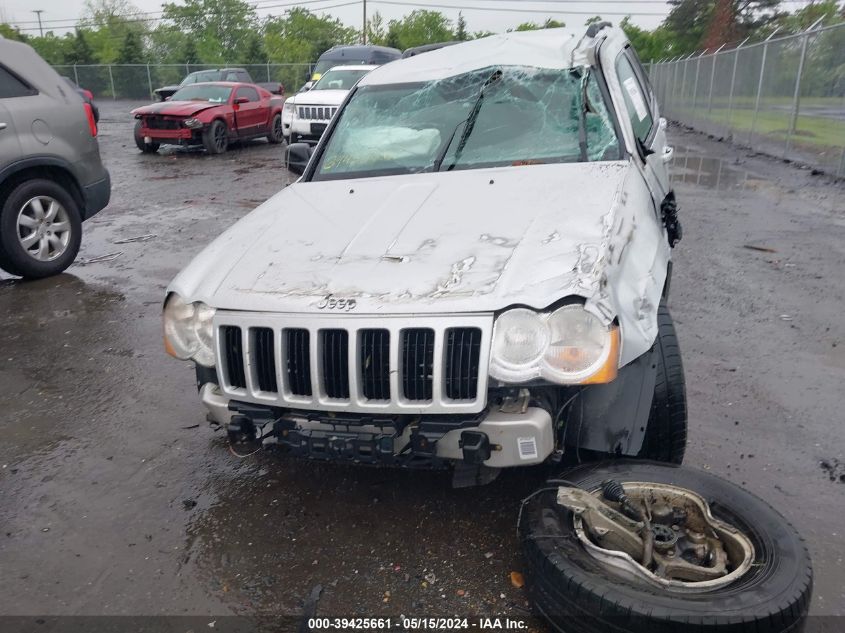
499	437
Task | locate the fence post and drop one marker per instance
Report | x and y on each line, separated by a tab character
712	77
111	80
796	97
841	170
268	71
150	80
695	87
187	70
75	75
760	84
733	83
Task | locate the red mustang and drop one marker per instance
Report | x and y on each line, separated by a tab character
210	114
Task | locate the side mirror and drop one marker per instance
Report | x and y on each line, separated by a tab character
240	100
297	156
306	86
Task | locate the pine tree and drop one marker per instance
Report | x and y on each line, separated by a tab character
461	31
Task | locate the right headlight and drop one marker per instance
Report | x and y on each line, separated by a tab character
188	330
567	346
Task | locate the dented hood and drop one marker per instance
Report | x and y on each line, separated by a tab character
176	108
462	241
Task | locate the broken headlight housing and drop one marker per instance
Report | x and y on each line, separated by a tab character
567	346
188	330
192	124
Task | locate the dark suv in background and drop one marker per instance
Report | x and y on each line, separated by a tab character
51	175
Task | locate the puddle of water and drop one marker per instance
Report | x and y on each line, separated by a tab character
715	173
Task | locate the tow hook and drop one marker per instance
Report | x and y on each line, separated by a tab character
241	430
476	447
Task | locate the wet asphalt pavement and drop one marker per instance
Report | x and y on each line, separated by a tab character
116	498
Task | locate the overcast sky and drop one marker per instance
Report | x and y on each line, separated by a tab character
58	14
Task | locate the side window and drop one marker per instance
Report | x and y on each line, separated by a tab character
11	86
639	69
244	77
231	76
249	93
636	98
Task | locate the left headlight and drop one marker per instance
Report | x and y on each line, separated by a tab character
568	346
192	123
288	110
188	330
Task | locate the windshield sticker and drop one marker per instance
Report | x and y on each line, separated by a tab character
636	97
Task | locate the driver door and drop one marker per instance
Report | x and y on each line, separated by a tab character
251	114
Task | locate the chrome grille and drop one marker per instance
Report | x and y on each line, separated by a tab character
355	363
316	113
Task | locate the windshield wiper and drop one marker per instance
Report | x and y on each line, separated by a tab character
468	123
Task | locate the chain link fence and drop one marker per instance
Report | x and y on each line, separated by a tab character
784	96
137	81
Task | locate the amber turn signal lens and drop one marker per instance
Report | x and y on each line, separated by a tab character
610	369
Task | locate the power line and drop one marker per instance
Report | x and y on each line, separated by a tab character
511	9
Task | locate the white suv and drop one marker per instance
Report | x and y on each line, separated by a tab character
307	114
471	270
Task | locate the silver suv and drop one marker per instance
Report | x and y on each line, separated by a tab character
51	176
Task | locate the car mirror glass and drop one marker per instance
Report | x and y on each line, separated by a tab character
297	156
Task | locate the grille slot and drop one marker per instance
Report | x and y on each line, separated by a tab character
375	364
312	113
417	363
298	361
162	123
265	363
233	344
335	356
463	349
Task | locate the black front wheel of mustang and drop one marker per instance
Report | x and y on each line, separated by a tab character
147	148
215	137
666	433
741	569
276	131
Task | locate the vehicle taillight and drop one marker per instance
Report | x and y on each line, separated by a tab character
88	94
92	124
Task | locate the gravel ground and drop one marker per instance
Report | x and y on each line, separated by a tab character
116	498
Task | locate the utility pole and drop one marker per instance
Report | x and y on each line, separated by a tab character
364	30
38	12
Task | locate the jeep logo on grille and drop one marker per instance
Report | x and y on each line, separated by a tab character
330	302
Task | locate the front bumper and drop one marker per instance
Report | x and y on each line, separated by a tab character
497	438
179	136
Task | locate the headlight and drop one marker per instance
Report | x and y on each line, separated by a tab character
188	331
567	346
288	110
520	337
192	123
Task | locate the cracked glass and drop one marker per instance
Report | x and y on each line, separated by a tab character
490	117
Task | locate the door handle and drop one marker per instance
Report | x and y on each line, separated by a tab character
2	126
668	153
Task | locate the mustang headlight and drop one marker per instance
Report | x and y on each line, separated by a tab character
192	123
188	331
567	346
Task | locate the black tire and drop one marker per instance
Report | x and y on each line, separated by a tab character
14	258
147	148
666	433
215	137
576	593
276	135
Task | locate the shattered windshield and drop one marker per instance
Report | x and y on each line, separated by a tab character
492	117
203	92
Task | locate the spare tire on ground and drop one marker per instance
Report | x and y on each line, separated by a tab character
576	589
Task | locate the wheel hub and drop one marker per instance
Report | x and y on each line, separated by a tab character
661	535
43	228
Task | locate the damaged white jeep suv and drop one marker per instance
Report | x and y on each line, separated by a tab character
470	272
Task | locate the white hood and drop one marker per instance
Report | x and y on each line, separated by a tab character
320	97
468	241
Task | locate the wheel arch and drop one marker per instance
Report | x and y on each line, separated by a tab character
48	167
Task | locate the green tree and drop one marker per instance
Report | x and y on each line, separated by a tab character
532	26
689	21
132	49
220	28
11	33
130	81
189	53
255	53
593	20
376	31
461	29
79	50
419	27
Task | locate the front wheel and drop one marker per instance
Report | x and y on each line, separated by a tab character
666	433
40	229
147	148
216	137
276	136
745	569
